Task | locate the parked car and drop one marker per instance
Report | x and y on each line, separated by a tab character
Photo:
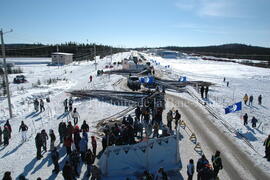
19	79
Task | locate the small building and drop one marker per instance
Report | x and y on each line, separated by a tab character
62	58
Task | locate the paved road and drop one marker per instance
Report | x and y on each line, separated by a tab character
235	162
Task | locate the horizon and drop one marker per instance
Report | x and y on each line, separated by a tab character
137	24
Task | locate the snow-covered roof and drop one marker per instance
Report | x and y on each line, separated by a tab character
61	53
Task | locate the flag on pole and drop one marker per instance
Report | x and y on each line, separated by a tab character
233	108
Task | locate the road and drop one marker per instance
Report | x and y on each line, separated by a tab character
236	163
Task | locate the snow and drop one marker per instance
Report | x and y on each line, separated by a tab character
71	77
242	79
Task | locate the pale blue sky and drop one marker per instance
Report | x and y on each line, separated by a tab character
137	23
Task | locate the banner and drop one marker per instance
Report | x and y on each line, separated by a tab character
233	108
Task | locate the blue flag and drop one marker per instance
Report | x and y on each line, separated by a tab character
233	108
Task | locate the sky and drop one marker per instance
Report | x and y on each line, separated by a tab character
137	23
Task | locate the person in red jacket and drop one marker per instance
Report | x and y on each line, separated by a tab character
67	143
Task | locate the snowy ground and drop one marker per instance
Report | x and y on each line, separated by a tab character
73	76
243	79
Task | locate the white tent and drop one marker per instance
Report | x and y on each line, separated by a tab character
132	160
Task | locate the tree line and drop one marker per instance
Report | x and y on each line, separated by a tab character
81	51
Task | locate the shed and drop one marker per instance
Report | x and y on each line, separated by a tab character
62	58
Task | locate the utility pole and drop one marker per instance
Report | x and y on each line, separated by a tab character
95	56
5	70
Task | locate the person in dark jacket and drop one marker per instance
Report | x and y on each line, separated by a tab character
42	108
24	129
206	91
44	137
69	129
83	147
53	139
89	160
267	148
147	176
169	119
85	127
77	137
202	91
190	169
6	136
250	100
70	103
68	171
260	99
245	117
74	161
200	166
254	122
9	128
67	143
177	117
39	143
55	159
62	131
36	104
1	134
7	176
138	113
217	163
66	105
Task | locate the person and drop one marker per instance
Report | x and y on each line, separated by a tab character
39	143
94	144
77	137
67	143
89	159
68	172
228	83
200	166
42	108
267	148
53	138
254	122
6	135
62	131
7	176
138	113
202	91
83	147
224	79
245	117
36	104
206	91
1	133
190	169
75	160
177	117
217	163
44	137
55	159
70	103
24	129
250	100
169	119
96	174
260	99
245	98
90	78
156	128
66	105
147	176
85	127
9	128
161	175
75	116
130	119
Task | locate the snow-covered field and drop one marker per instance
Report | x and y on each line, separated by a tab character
19	158
242	79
